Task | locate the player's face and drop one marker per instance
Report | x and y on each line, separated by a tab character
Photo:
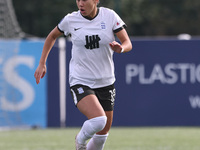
88	8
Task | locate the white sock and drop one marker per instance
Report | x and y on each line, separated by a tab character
97	142
90	127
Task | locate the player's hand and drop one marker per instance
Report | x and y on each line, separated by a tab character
116	47
40	72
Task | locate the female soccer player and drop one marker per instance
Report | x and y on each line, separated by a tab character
91	75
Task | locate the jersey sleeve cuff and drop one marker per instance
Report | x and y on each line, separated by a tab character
59	29
119	29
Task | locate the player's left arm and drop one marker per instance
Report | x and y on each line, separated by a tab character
125	45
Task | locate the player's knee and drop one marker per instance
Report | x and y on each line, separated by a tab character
99	123
103	132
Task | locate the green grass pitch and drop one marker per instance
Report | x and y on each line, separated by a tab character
162	138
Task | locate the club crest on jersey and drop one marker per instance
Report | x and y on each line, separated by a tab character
103	25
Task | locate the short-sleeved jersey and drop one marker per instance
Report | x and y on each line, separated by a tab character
91	63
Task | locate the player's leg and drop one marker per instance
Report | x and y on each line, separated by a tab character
88	104
106	129
106	97
90	107
97	142
97	119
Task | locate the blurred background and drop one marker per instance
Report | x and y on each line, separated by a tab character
143	17
158	82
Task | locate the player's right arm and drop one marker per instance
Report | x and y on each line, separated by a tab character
48	44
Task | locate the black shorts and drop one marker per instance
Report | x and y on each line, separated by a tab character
105	95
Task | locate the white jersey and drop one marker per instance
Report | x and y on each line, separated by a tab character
92	58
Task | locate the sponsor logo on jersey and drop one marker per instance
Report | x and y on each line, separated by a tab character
92	42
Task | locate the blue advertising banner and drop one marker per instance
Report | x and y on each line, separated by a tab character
157	84
22	101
